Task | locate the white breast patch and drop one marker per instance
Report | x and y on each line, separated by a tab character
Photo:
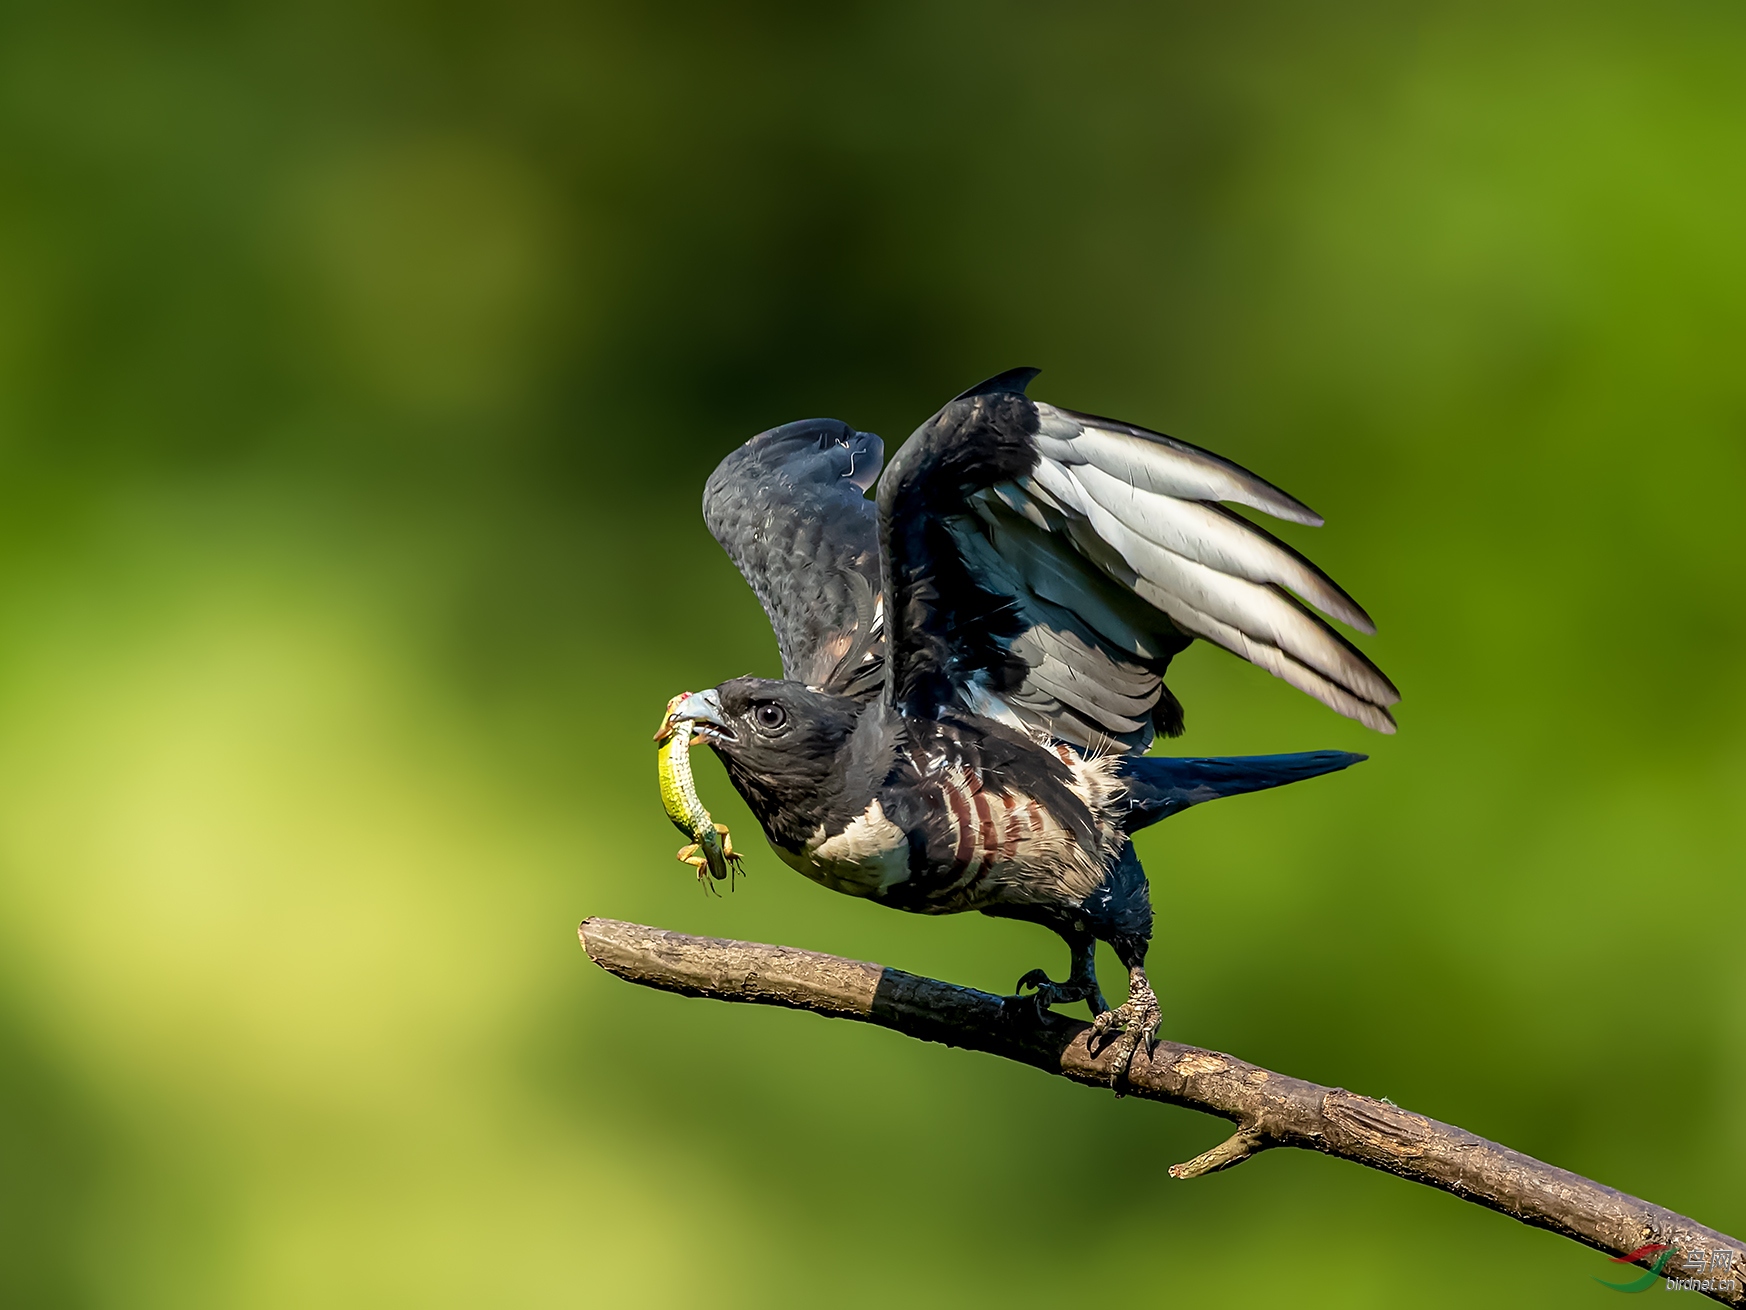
863	859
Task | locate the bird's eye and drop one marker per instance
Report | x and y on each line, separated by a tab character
770	717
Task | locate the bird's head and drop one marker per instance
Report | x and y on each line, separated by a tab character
779	742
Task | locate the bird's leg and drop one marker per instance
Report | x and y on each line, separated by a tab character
1137	1018
1081	984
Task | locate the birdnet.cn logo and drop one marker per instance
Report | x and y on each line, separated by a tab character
1701	1270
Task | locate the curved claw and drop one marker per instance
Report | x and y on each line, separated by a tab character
1049	993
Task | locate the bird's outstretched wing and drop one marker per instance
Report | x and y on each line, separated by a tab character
790	509
1042	568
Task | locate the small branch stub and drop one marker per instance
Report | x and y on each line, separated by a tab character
1235	1149
1271	1109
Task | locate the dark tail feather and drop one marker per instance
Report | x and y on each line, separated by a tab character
1158	788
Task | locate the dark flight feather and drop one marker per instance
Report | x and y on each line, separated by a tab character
790	509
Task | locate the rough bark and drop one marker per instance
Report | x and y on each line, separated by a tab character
1269	1109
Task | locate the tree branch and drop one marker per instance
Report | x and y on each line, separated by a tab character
1269	1109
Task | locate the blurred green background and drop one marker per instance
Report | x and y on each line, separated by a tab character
360	367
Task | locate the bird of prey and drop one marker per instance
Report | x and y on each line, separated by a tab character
974	662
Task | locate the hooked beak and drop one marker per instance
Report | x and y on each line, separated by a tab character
704	708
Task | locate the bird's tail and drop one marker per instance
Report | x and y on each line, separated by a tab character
1158	788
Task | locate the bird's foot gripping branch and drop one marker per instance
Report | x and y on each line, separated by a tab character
1269	1109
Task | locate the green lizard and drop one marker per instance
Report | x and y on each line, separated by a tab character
711	850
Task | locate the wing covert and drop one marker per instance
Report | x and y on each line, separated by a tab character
790	509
